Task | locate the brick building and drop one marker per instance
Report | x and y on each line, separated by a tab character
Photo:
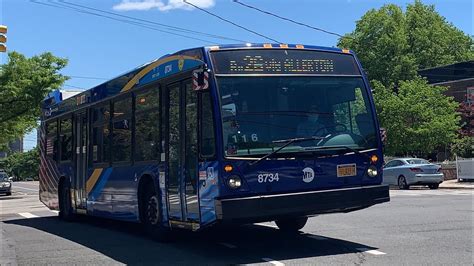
459	78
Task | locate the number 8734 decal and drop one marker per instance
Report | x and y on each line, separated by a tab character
268	178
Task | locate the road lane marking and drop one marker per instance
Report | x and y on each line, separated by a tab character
371	251
274	262
267	225
28	215
15	186
227	245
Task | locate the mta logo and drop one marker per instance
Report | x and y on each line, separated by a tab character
308	175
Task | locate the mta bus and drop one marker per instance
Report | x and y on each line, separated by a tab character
221	134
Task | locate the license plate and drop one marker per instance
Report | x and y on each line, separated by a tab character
346	170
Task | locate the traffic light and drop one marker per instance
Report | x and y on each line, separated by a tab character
3	38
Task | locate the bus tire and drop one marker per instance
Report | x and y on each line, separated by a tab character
291	224
152	217
65	204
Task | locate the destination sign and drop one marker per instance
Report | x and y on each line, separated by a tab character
282	61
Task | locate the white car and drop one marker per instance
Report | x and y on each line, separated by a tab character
405	172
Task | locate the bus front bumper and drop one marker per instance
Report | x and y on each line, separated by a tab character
273	207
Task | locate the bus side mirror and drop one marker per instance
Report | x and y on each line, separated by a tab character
200	80
383	135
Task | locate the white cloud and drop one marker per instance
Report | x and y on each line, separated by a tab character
128	5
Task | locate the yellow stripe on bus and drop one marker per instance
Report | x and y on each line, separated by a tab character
150	67
93	179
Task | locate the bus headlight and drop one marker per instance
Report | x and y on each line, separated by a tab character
234	181
372	171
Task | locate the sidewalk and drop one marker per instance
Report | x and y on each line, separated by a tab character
455	184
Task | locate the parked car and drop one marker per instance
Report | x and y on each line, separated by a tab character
5	186
405	172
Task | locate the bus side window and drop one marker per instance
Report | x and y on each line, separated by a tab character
147	122
100	134
52	139
207	138
66	139
122	130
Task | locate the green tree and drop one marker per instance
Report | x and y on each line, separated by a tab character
392	45
463	147
418	118
24	82
23	165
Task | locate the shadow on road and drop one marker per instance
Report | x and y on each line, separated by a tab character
125	242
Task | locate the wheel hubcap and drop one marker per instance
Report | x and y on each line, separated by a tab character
401	182
152	210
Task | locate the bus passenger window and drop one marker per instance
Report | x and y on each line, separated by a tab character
66	139
101	134
122	130
52	139
147	125
207	141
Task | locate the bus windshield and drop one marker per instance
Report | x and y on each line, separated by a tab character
260	113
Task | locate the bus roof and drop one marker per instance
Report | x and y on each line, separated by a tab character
55	104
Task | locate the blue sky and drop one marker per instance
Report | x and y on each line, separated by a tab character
101	48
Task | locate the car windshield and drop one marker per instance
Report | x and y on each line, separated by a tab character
260	113
417	161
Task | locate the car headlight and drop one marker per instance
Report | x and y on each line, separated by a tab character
234	181
372	171
6	184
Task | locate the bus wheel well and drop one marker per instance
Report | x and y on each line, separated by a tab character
145	181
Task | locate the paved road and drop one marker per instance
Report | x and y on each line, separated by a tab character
417	227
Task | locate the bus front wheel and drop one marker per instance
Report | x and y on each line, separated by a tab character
291	224
152	218
65	205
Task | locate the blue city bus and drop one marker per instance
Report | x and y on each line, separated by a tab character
222	134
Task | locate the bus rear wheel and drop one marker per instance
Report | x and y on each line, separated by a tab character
291	224
152	218
65	205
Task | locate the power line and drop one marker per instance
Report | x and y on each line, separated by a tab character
72	86
154	22
57	5
290	20
230	22
83	77
143	25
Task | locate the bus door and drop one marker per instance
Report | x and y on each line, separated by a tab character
182	152
81	138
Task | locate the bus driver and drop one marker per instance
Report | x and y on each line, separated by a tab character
314	125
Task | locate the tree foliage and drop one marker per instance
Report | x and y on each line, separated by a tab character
24	82
23	165
392	45
418	118
463	147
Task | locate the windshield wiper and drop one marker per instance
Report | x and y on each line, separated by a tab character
287	142
346	148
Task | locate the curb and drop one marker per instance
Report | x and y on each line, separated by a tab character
456	187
